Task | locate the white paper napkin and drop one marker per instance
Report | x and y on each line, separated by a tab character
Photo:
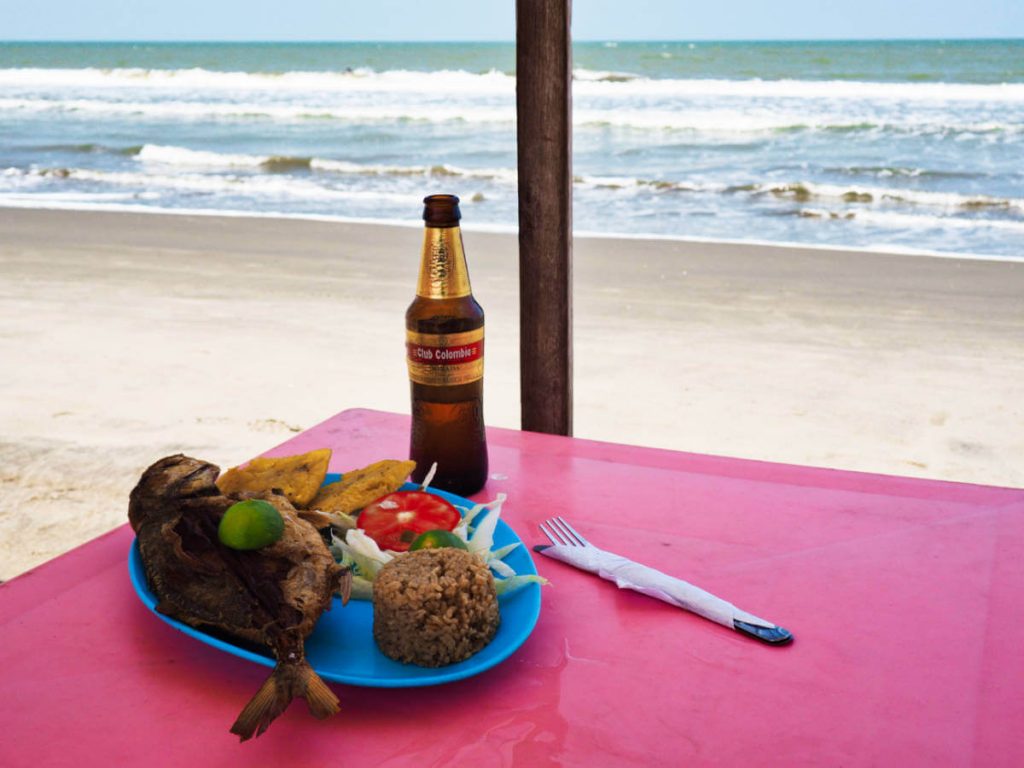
628	574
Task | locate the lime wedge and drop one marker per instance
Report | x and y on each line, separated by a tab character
437	539
250	524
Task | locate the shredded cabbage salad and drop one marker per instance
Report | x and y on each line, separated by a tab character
361	553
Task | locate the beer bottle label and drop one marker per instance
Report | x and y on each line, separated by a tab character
445	359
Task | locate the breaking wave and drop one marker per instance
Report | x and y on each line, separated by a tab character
196	169
694	119
587	83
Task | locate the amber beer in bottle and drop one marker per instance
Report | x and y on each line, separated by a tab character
445	349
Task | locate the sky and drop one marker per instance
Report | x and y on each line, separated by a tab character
495	19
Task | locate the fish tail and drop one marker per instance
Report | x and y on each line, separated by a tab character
270	701
320	699
285	683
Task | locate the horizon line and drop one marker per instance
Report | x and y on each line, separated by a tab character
319	41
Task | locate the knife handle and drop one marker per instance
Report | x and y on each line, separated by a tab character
770	635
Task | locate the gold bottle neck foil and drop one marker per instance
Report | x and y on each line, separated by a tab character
443	272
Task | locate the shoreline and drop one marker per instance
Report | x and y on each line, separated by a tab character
501	229
135	335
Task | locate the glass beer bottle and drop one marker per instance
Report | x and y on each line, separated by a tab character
445	349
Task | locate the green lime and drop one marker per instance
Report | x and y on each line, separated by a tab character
437	539
250	524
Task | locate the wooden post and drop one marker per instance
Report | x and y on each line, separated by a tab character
544	122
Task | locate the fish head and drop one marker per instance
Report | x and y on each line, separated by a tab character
170	480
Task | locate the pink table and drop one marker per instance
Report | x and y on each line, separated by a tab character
905	597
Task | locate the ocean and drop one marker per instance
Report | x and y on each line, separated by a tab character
913	145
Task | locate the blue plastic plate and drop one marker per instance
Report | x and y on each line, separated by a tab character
342	648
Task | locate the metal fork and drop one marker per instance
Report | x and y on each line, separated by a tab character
569	546
562	533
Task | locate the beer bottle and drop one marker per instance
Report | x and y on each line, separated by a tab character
445	350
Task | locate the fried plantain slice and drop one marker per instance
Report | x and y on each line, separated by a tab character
359	487
298	477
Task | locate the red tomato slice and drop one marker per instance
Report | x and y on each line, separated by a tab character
394	521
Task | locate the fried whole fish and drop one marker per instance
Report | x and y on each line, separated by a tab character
272	595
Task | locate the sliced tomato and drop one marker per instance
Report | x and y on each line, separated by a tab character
394	521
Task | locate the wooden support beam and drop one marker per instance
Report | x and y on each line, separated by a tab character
544	122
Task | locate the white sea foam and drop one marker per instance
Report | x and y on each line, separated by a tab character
160	162
602	76
501	175
180	156
153	158
727	124
827	90
587	83
360	80
156	157
164	155
761	120
262	187
202	110
893	220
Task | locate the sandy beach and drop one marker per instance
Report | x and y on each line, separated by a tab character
125	337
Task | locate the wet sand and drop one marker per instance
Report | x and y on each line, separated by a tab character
125	337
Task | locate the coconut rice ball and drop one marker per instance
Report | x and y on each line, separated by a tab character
434	607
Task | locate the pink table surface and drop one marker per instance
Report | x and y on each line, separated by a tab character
905	597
